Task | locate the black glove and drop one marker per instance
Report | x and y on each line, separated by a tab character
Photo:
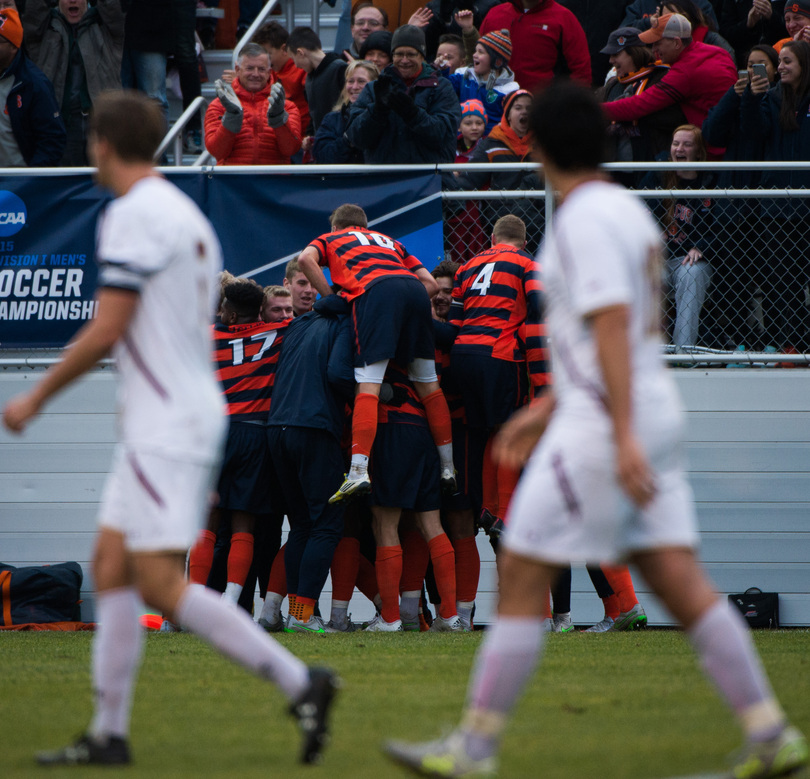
383	87
403	104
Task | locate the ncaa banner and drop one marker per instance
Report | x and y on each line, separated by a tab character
48	225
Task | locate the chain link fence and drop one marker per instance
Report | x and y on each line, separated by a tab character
735	266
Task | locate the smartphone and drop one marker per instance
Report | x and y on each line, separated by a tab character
743	74
760	70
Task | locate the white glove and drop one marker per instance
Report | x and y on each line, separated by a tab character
232	118
276	115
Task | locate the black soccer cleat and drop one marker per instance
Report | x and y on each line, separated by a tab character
88	751
312	711
486	520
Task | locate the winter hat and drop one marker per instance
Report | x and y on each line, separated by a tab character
669	26
510	100
620	39
409	35
498	43
11	27
473	108
802	7
379	40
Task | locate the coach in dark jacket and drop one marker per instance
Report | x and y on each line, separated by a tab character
30	106
410	114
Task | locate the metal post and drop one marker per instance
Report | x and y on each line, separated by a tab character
316	17
549	207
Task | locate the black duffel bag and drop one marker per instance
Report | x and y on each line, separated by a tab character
760	609
40	594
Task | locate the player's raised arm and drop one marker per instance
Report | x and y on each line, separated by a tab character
308	260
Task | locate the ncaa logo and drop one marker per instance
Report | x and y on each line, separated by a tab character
13	214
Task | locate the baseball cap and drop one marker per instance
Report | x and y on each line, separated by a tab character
801	7
622	38
11	27
669	26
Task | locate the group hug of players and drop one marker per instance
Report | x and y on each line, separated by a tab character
407	374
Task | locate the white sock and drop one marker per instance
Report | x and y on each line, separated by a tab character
271	610
722	640
237	636
409	605
446	456
232	593
359	466
340	611
505	661
464	609
117	648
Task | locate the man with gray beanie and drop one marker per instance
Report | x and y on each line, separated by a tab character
410	114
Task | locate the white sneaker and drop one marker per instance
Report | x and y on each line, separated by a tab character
601	627
635	619
561	623
445	757
379	625
449	625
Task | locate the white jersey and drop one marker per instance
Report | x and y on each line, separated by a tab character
603	249
155	241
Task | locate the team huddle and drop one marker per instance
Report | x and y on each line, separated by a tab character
602	478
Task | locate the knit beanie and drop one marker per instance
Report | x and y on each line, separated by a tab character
510	100
802	7
499	45
380	40
11	27
473	108
409	35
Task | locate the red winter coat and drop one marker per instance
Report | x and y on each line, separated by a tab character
695	82
292	78
256	143
546	40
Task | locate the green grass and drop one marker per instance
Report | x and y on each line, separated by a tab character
609	706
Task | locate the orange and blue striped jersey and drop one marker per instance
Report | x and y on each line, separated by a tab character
357	258
497	308
246	357
404	408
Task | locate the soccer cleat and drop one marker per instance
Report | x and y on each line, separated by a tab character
635	619
486	520
496	529
341	626
353	487
561	623
312	710
445	757
780	756
379	625
601	627
312	625
411	625
448	481
88	751
449	625
272	627
548	625
168	627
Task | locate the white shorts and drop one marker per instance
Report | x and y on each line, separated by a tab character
569	506
157	501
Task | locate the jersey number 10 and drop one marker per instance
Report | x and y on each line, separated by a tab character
380	240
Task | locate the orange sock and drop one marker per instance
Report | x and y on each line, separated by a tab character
489	481
389	572
415	557
367	578
294	607
438	418
345	564
305	607
444	569
507	481
240	557
468	568
364	423
611	604
621	583
202	557
277	582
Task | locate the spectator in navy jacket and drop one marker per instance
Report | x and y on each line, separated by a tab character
37	137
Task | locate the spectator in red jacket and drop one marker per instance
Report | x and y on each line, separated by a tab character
699	75
547	41
252	123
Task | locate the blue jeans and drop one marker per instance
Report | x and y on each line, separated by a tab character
146	71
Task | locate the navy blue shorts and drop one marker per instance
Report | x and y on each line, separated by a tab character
491	390
405	468
244	481
392	320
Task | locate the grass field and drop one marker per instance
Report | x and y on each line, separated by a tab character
605	706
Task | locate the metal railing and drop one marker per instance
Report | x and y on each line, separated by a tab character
174	138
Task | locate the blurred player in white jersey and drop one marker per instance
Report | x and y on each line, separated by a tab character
158	259
605	481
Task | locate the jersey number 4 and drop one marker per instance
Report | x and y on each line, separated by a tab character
238	346
483	279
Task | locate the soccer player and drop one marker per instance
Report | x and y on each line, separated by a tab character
155	248
303	294
606	478
392	318
277	304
